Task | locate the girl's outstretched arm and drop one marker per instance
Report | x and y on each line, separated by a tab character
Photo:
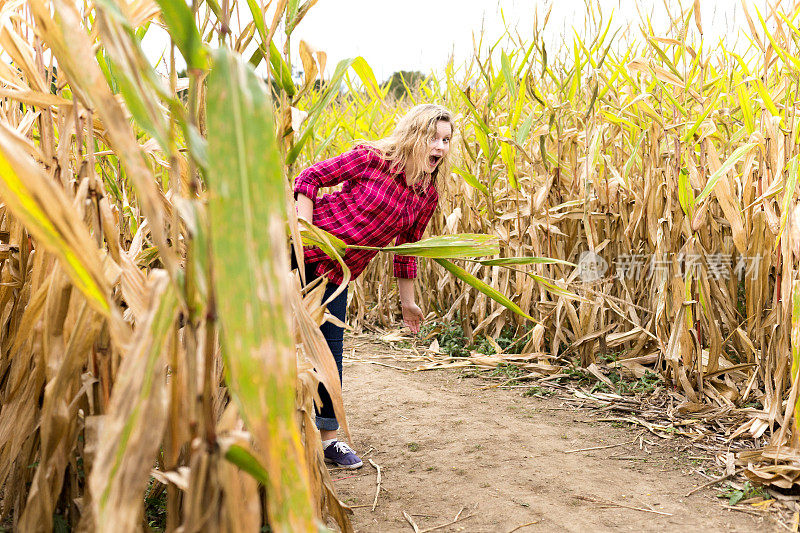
412	314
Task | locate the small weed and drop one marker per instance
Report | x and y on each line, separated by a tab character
646	383
155	506
482	345
413	446
505	341
507	371
404	344
449	335
745	493
60	524
612	357
575	373
536	390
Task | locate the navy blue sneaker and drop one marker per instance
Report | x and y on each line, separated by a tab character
341	455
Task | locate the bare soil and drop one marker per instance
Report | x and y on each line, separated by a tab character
446	442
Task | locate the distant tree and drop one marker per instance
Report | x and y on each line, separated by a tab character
412	79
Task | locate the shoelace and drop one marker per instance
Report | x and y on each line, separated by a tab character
343	448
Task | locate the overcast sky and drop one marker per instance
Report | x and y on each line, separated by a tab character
422	34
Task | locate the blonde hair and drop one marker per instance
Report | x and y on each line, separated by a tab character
406	149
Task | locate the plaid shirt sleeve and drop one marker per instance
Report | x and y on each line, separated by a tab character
330	172
405	266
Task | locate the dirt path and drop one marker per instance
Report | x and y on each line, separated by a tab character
444	443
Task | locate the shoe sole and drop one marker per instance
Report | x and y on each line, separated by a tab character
352	466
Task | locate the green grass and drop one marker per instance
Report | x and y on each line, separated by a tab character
449	335
748	491
538	391
155	506
506	370
453	342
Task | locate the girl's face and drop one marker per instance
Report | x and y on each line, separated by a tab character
438	145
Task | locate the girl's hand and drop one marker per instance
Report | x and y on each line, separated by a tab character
413	317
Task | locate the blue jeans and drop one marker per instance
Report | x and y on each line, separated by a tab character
334	336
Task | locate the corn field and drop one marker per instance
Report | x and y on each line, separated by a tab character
153	341
674	164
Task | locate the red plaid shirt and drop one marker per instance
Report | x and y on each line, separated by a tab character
373	208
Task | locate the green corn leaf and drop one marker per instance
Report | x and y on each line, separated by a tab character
364	71
181	27
634	156
745	104
709	108
246	205
742	69
668	93
507	154
483	141
555	289
479	122
215	7
775	46
795	342
735	157
248	462
329	243
292	7
664	59
280	70
331	90
525	58
134	77
525	129
788	194
445	246
471	179
767	99
507	74
47	214
685	193
510	261
278	67
576	77
514	117
471	280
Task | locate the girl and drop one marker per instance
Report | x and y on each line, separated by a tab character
389	192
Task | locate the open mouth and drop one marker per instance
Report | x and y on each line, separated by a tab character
433	160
